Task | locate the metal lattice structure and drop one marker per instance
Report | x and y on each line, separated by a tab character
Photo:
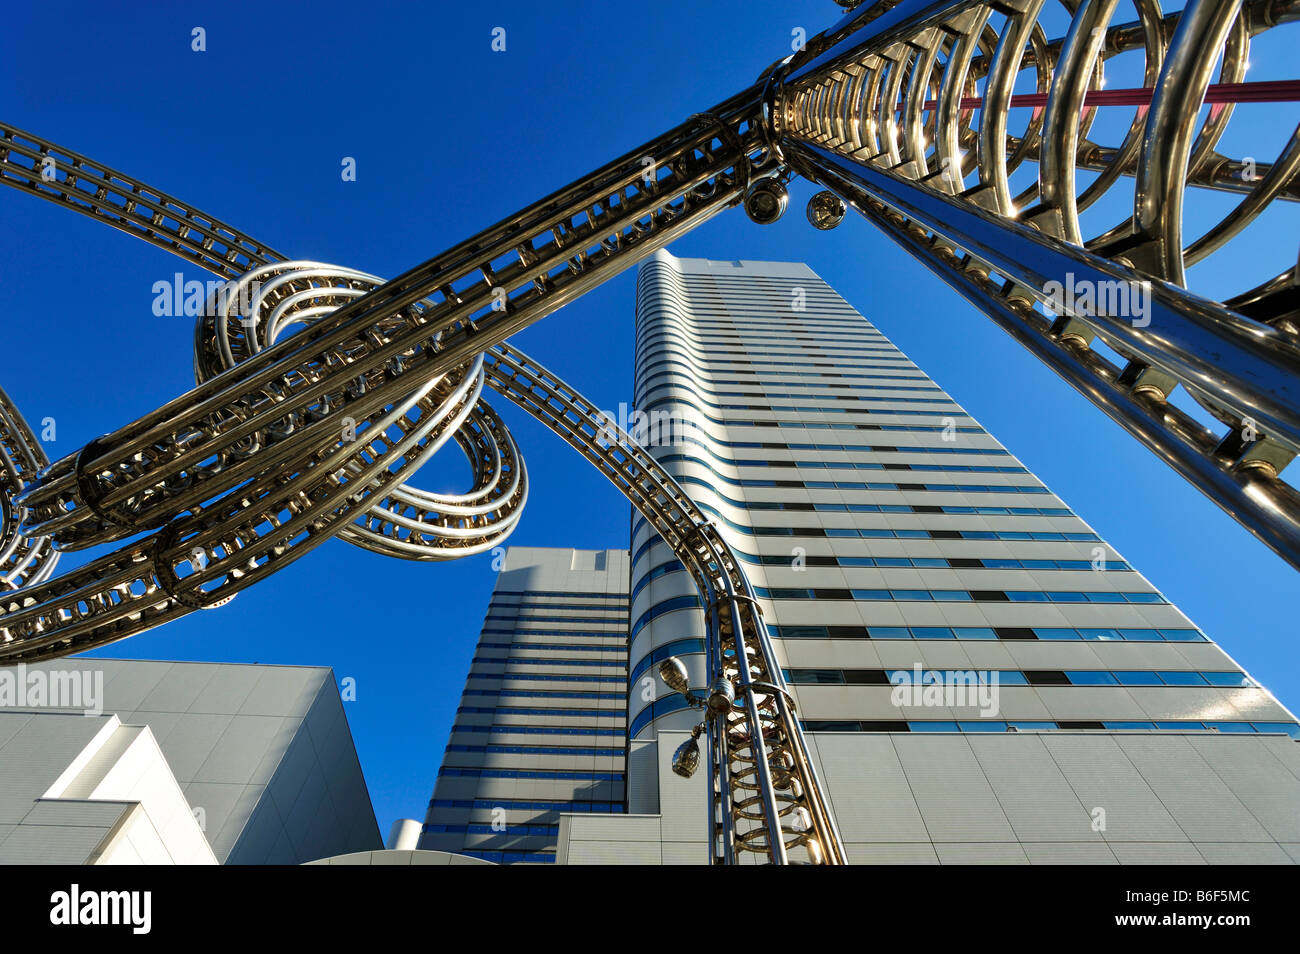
902	111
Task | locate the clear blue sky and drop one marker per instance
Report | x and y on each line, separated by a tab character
449	137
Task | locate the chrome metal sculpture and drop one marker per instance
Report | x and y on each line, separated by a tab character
288	441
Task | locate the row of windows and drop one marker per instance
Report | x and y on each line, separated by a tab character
487	829
1097	634
842	354
1019	677
513	857
875	533
519	710
539	677
681	647
543	693
939	596
679	373
607	596
1009	596
676	702
955	563
864	448
493	615
721	330
859	508
830	507
832	426
953	412
830	390
825	378
681	440
672	333
609	603
515	661
516	631
487	804
694	369
540	750
558	647
534	730
570	775
871	465
879	355
858	485
834	725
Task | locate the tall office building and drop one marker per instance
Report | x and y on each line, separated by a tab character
981	677
899	551
541	727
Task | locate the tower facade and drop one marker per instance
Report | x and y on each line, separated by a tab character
541	725
981	676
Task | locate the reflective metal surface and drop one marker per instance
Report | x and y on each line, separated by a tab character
903	111
312	446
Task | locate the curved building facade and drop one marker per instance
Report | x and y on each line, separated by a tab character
899	551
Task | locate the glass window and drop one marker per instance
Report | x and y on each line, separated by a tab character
982	726
1105	597
1182	635
1026	596
1182	678
1067	597
1231	680
974	632
911	594
1099	634
889	632
1290	728
951	596
1138	678
817	676
1231	726
932	632
1056	633
933	726
870	594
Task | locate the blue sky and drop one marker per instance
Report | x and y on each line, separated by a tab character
449	137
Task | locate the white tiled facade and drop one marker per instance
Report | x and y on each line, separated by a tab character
541	725
180	763
884	530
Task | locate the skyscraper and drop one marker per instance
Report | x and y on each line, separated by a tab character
541	726
981	677
892	540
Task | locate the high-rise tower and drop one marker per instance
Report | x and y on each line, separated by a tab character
982	677
541	725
